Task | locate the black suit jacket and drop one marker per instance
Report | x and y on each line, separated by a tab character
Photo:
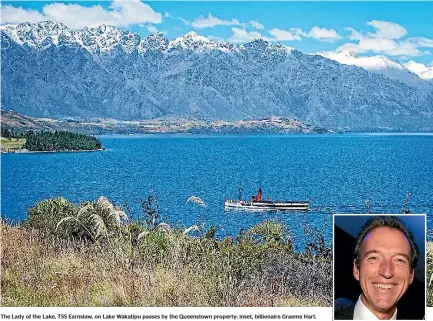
347	313
344	314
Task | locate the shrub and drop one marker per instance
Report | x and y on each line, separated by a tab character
155	245
45	215
266	232
96	220
152	214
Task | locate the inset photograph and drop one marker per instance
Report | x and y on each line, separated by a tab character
379	267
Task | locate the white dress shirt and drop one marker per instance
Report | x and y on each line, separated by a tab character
361	312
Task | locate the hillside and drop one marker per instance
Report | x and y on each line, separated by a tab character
11	119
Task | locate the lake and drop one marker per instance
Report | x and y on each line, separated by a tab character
336	173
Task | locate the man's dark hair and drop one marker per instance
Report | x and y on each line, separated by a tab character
391	222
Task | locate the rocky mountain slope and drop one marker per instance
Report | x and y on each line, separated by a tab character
51	71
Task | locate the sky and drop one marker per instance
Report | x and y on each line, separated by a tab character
399	30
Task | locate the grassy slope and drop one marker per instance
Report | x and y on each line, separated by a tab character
189	272
12	144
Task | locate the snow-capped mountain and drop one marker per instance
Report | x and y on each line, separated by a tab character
424	72
51	71
194	42
378	64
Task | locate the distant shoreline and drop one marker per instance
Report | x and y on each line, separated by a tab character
25	151
170	125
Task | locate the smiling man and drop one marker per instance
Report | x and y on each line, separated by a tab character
385	257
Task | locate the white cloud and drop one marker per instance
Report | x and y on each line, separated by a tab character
323	34
388	39
257	25
284	35
134	11
241	35
421	42
386	30
152	29
120	14
354	35
185	22
383	46
405	48
299	32
211	21
13	15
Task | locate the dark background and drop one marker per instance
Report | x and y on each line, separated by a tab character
412	304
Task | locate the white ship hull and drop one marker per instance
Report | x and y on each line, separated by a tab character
266	205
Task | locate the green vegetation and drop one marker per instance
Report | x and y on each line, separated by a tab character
11	133
50	141
60	141
45	215
92	254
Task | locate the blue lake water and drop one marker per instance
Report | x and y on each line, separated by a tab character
336	173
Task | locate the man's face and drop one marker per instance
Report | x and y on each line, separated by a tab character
384	273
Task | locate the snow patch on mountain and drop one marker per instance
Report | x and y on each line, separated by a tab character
385	66
192	41
423	71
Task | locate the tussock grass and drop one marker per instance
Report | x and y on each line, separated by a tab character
162	267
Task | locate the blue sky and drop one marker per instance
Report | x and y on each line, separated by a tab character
400	30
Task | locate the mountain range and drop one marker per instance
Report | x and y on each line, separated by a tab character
49	70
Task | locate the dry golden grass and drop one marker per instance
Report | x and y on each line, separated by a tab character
12	144
51	271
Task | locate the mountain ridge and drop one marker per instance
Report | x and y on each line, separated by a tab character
196	77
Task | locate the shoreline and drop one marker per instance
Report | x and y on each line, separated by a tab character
25	151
